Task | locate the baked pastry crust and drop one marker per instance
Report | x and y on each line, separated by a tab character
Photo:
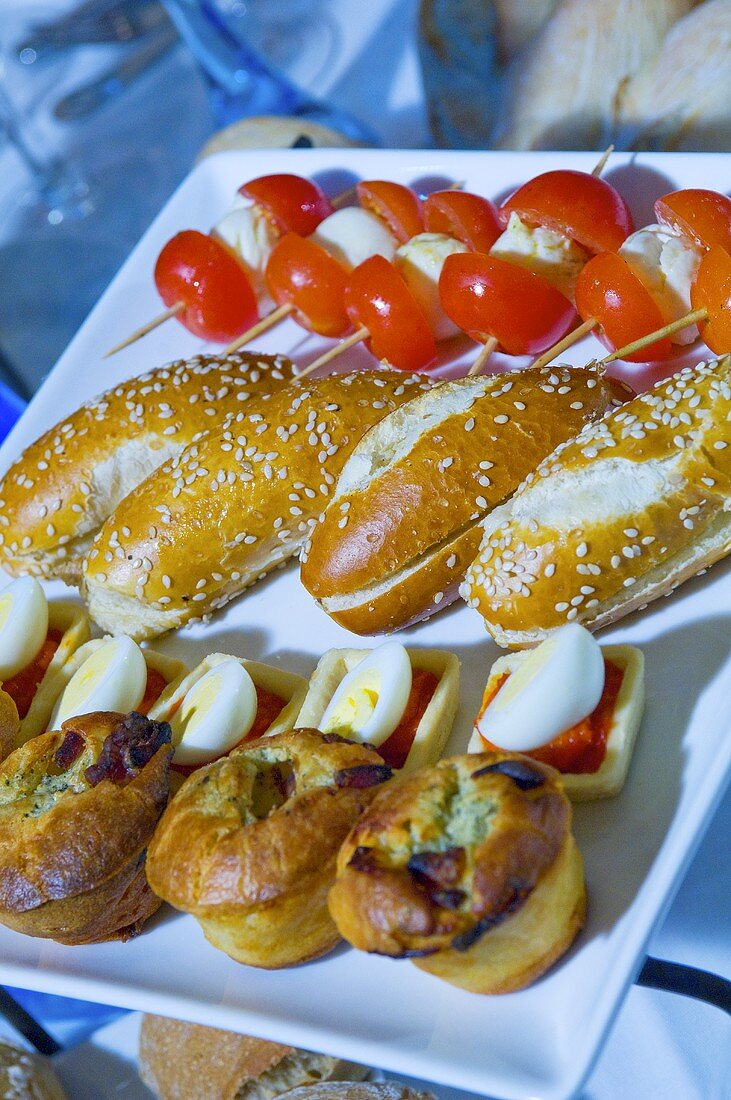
435	726
9	724
248	844
73	622
444	857
609	779
77	809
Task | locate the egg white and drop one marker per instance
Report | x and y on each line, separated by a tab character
215	714
23	624
370	700
559	683
113	677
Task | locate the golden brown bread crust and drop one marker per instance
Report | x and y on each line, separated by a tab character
25	1075
261	831
442	858
253	488
77	809
60	490
182	1061
404	521
634	505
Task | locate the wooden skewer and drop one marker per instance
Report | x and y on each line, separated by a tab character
356	337
153	324
601	163
265	323
485	352
568	340
691	318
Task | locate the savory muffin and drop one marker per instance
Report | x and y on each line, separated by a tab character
77	809
248	845
469	868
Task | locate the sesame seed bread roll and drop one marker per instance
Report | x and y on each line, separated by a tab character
62	488
403	524
233	505
636	504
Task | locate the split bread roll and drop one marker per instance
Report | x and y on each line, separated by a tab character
636	504
25	1075
233	505
182	1061
62	488
78	807
469	868
404	520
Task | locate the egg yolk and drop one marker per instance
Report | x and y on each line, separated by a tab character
268	708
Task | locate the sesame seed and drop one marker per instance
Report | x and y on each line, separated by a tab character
582	550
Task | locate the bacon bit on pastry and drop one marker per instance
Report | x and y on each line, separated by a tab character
128	748
363	775
69	750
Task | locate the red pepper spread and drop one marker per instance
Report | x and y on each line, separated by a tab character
396	748
582	748
22	687
156	684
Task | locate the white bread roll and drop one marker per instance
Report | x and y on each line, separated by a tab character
233	505
404	521
61	489
636	504
182	1061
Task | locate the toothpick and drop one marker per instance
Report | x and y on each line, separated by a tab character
485	352
263	325
140	332
567	342
691	318
601	163
356	337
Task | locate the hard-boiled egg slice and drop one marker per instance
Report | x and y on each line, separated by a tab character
23	625
559	683
352	235
553	255
420	262
215	714
246	229
666	264
113	677
370	701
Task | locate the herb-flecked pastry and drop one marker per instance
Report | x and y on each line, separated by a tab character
468	868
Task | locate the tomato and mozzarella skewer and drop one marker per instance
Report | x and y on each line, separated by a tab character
641	294
194	270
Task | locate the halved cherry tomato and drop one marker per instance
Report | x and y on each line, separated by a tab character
301	273
701	216
398	207
294	204
485	297
712	291
577	204
608	290
379	299
201	273
469	218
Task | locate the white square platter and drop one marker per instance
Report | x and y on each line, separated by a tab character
540	1042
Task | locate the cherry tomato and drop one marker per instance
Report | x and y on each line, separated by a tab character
485	297
469	218
301	273
582	206
398	207
701	216
379	299
294	204
608	290
199	271
712	291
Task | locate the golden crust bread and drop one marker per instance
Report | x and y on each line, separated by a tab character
39	717
636	504
404	520
73	622
254	488
248	844
626	719
77	809
432	732
182	1061
62	488
442	857
25	1075
9	724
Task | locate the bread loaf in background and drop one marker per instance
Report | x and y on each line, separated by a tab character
182	1061
25	1075
61	489
636	504
403	524
232	506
